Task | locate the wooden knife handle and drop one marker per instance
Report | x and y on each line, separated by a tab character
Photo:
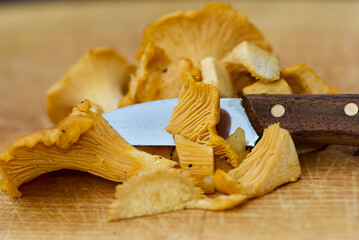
318	119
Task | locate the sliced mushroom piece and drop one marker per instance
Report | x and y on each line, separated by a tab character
238	143
197	160
214	73
196	115
261	64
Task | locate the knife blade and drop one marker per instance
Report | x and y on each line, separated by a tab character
317	119
143	124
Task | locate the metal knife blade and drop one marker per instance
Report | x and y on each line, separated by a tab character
143	124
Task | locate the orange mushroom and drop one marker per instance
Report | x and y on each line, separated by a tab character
303	80
83	141
210	32
155	191
196	115
101	76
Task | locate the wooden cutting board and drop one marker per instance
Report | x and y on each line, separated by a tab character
39	42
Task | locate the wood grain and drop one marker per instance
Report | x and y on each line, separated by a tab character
40	41
310	119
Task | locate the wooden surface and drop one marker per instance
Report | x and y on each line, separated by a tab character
310	118
40	41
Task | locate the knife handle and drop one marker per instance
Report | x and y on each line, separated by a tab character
311	119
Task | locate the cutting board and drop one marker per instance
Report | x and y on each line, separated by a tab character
40	41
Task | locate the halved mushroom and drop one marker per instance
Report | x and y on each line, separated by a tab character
101	76
196	115
277	87
83	141
303	80
272	162
261	64
164	190
214	73
197	160
158	77
210	32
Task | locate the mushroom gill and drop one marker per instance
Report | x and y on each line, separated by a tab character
196	115
83	141
272	162
210	32
197	160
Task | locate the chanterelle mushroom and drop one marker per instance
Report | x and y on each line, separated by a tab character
157	77
303	80
210	32
155	191
101	76
272	162
196	115
197	160
83	141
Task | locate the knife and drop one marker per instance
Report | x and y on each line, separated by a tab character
311	119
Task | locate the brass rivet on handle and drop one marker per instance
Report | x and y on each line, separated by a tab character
351	109
277	110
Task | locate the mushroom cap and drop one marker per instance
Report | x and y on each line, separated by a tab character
101	76
154	191
157	77
210	32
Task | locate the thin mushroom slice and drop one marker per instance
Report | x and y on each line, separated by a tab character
197	160
101	76
238	143
272	162
210	32
303	80
83	141
221	202
196	115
